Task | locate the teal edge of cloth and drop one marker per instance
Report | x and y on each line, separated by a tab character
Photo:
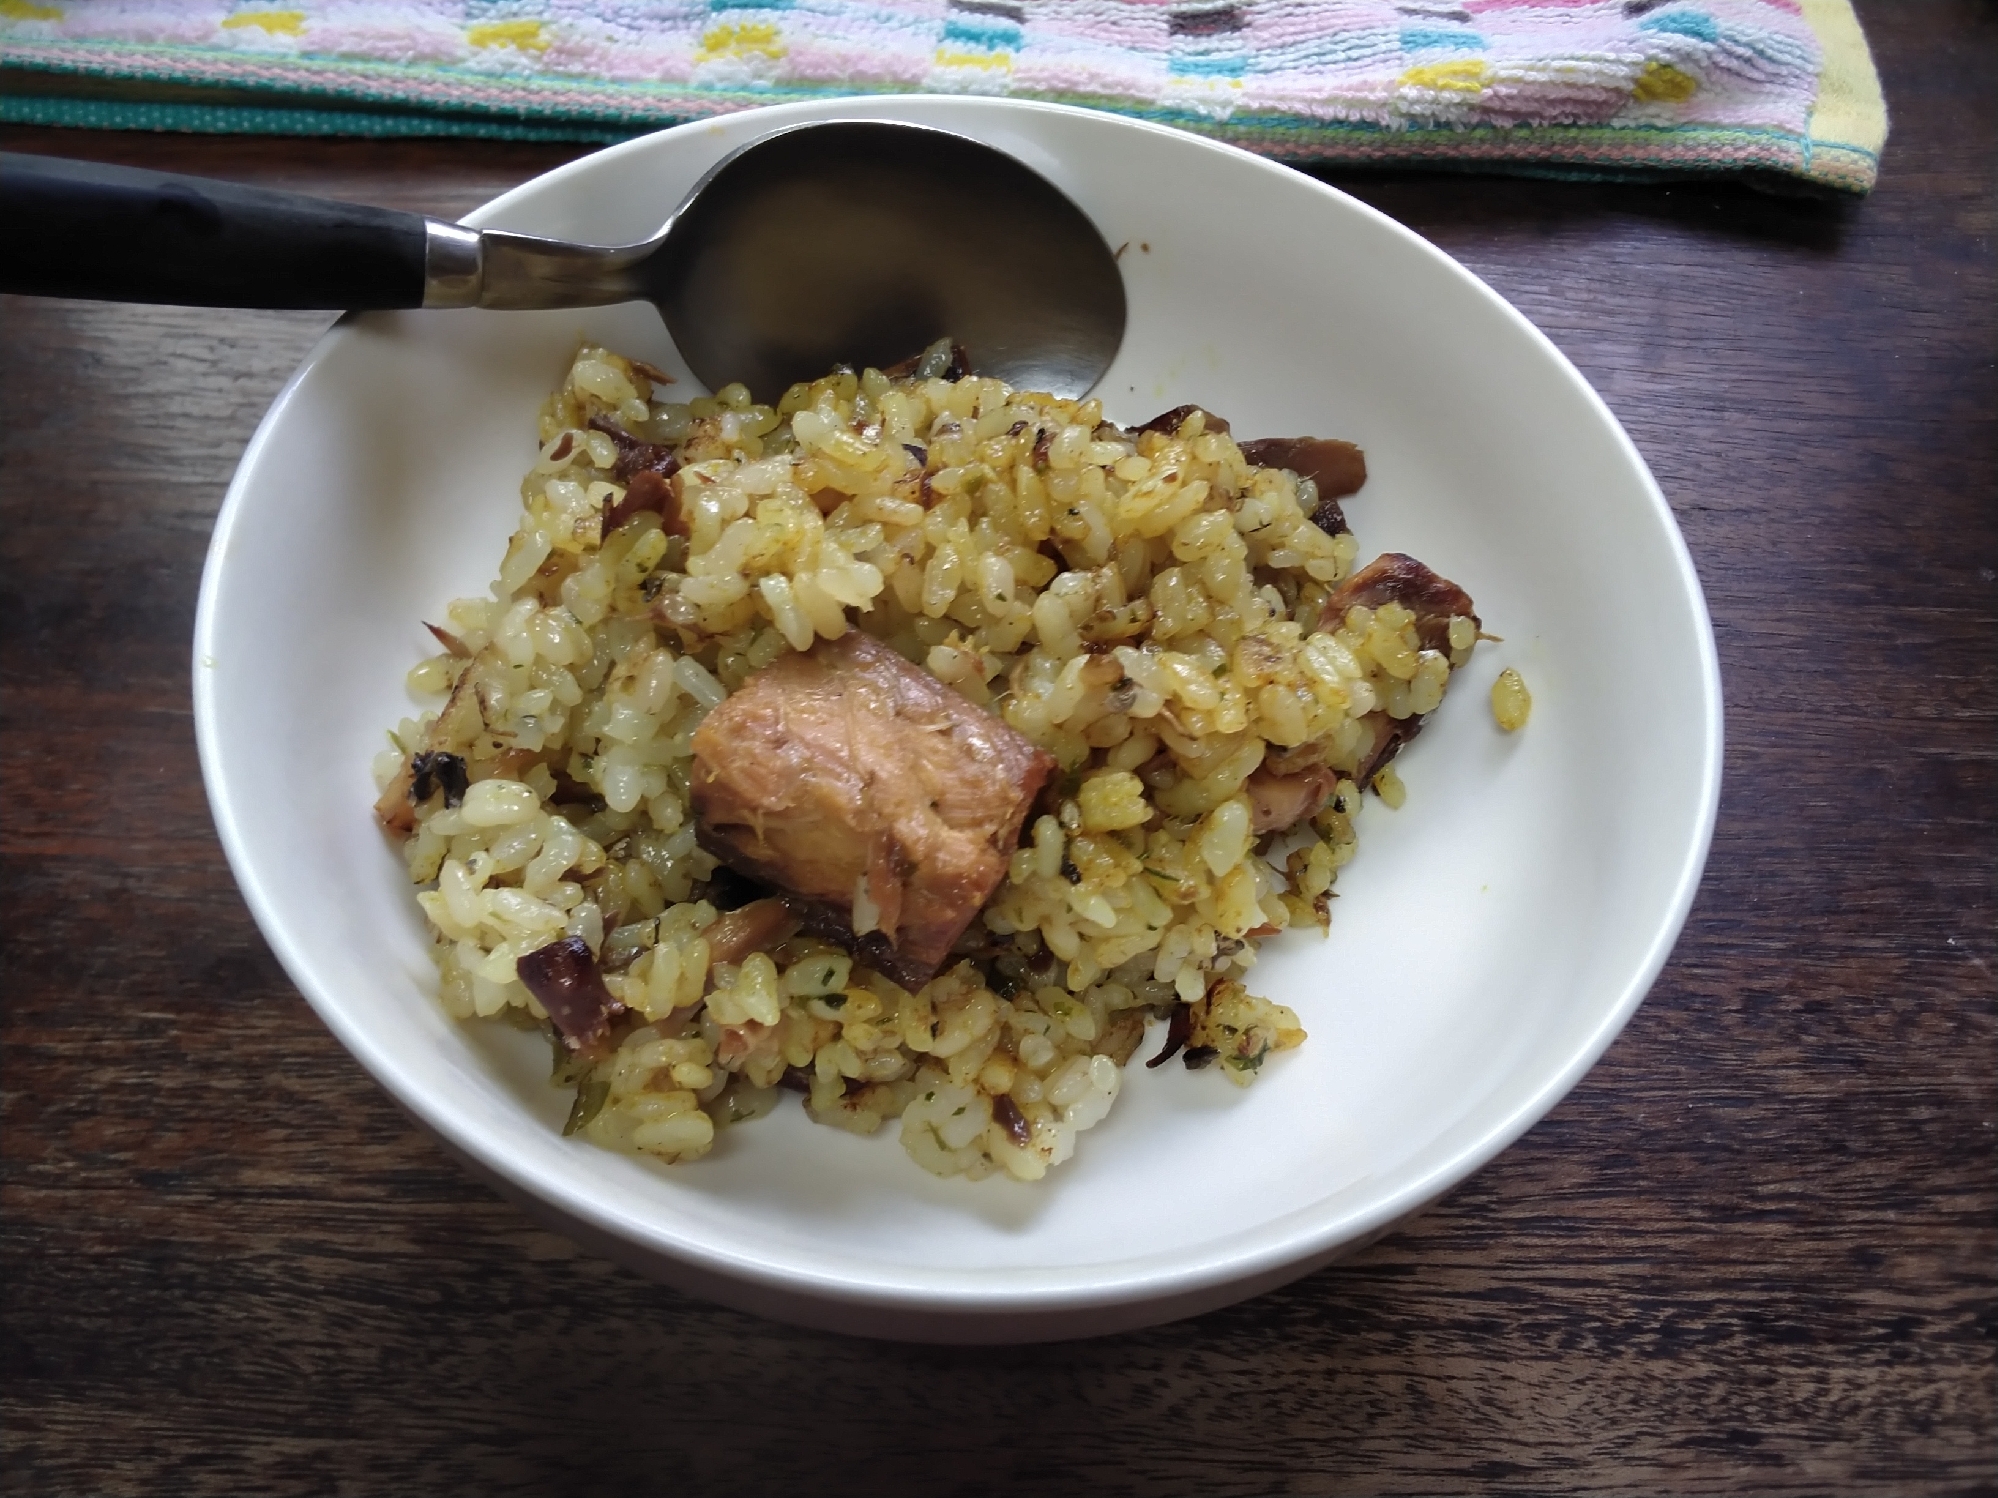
241	119
211	119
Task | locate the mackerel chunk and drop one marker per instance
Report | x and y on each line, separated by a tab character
1394	577
884	804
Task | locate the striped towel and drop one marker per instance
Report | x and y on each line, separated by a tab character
1600	88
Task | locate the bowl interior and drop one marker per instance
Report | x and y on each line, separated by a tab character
1487	942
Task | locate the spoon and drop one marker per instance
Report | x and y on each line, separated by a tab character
845	242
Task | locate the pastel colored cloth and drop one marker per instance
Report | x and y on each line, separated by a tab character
1603	88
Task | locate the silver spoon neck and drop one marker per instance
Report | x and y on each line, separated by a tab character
493	268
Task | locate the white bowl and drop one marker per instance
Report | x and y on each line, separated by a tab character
1489	941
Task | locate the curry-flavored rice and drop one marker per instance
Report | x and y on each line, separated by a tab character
1145	606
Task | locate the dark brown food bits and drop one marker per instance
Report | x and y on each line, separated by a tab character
564	976
755	927
649	489
1007	1114
1199	1056
1169	422
434	770
728	890
634	453
1178	1027
1390	736
646	470
451	643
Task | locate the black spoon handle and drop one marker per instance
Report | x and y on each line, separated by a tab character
112	233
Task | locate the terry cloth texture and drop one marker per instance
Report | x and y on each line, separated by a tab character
1604	88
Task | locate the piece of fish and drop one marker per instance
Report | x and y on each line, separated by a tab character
886	805
1434	600
1394	577
1337	468
1278	803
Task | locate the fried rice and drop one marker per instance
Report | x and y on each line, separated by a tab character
1147	606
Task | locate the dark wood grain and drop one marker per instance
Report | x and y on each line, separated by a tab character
1752	1253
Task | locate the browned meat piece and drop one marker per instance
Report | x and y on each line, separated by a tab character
1278	803
1395	578
1337	468
563	975
848	777
755	927
1169	421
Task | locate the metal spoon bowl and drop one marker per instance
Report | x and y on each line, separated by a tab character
842	242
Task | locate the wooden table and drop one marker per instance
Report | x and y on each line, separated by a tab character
1753	1251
